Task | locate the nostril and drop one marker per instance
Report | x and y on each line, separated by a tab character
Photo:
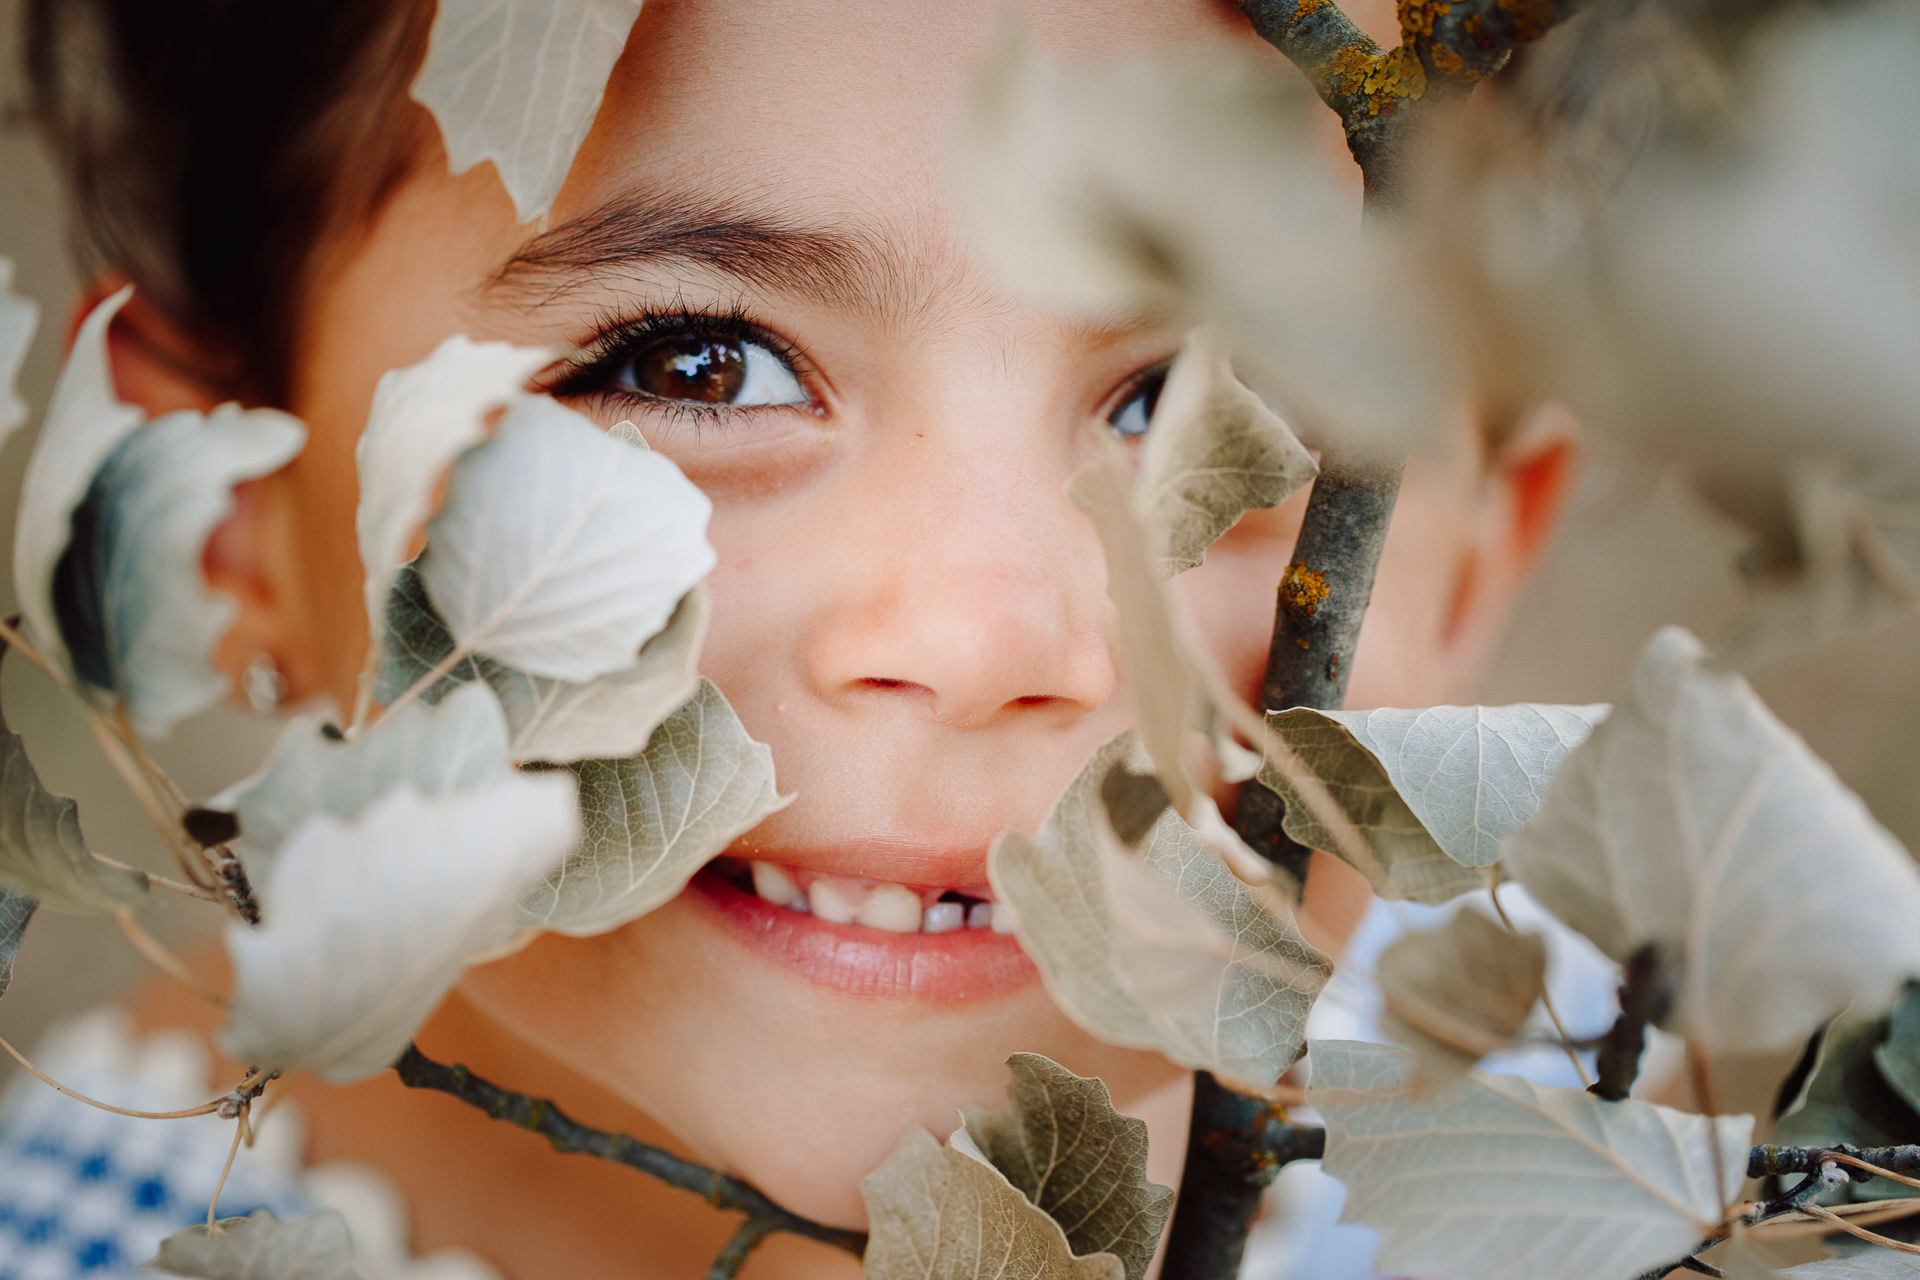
876	682
1035	700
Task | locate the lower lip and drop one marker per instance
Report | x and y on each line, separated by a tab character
957	967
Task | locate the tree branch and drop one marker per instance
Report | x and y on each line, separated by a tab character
1446	48
1321	603
1643	999
1236	1146
541	1116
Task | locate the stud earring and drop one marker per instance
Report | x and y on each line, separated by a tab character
263	684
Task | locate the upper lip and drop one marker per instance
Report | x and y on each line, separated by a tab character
885	861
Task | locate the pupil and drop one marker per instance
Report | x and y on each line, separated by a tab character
701	370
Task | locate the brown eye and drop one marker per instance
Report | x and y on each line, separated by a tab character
692	368
695	369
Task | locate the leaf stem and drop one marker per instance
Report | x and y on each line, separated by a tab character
1546	996
541	1116
1853	1228
205	1108
239	1127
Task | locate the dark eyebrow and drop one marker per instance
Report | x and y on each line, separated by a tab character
761	249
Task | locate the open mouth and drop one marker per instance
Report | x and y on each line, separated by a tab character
869	937
891	908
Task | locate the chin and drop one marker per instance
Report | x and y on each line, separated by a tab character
786	1046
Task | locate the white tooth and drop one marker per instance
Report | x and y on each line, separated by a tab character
1005	918
943	917
980	915
892	907
835	902
774	884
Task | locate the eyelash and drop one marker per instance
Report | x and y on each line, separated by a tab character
618	342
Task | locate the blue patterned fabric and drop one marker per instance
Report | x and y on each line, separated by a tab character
84	1192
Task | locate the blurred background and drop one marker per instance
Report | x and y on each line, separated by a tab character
1636	552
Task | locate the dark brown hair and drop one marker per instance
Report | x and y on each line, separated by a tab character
213	147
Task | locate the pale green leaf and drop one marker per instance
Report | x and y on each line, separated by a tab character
1846	1098
459	745
610	717
42	853
654	819
1191	185
135	611
260	1247
1063	1146
1503	1179
1870	1264
1898	1057
1212	453
1694	820
423	417
1160	948
518	82
942	1213
1459	992
19	317
16	909
560	550
1433	792
366	923
84	424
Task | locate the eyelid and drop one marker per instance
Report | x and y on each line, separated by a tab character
616	341
1131	385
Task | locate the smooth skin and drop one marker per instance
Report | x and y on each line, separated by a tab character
907	608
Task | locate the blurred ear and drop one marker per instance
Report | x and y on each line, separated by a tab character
161	368
1526	480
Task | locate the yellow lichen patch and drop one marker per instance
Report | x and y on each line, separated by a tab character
1398	75
1418	16
1475	29
1347	70
1302	589
1531	18
1446	60
1306	7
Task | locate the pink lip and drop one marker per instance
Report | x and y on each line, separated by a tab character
961	967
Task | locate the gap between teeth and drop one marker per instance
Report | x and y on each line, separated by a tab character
892	907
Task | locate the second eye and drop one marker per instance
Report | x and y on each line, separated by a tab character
691	369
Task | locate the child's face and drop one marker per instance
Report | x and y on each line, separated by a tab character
907	609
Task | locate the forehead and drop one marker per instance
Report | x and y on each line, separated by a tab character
836	111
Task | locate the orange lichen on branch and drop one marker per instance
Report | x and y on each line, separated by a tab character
1306	7
1394	78
1347	70
1418	16
1302	590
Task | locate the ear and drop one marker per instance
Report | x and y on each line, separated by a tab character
161	368
1525	483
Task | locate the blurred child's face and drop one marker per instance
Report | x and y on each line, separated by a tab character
758	247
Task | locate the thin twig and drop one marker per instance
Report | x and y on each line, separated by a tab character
239	1127
1842	1157
1546	997
164	960
180	887
1852	1228
168	825
541	1116
746	1238
10	635
207	1108
1798	1225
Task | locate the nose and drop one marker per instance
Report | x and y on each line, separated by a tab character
966	587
